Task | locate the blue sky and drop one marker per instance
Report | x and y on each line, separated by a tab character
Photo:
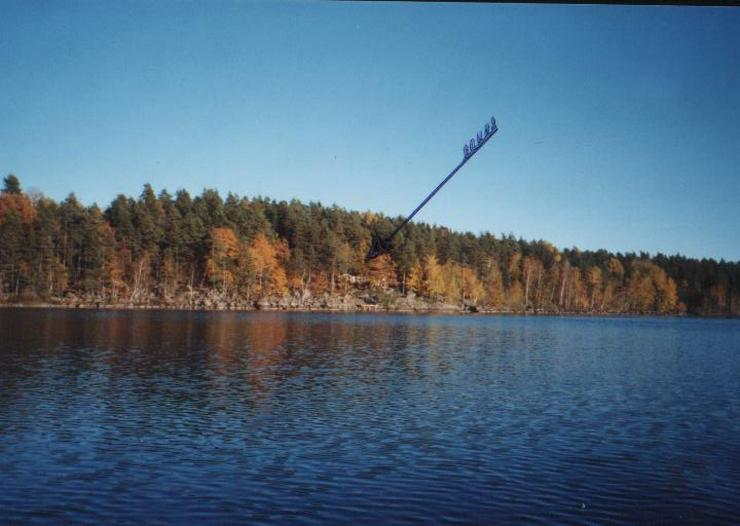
619	126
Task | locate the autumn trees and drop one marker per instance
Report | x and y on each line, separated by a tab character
17	215
156	247
648	289
268	257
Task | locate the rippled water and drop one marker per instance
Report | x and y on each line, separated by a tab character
220	418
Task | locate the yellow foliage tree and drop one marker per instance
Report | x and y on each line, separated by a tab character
452	279
666	293
593	281
415	279
649	289
532	271
577	294
493	284
269	273
515	266
433	282
225	260
472	289
515	296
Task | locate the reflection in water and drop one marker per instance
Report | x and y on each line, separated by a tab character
314	418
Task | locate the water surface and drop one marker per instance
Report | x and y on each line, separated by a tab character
138	417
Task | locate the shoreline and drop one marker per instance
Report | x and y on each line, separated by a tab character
377	309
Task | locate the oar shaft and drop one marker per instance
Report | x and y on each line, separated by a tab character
438	188
380	246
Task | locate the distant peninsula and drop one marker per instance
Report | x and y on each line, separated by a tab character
207	252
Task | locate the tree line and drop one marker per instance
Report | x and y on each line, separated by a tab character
157	247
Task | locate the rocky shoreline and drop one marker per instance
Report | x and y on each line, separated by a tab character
212	300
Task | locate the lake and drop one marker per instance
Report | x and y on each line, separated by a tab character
163	417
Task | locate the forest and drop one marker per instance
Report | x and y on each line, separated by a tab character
206	251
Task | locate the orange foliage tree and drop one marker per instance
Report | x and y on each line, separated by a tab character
269	274
226	261
382	272
649	289
18	204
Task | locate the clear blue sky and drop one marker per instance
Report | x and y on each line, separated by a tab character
619	126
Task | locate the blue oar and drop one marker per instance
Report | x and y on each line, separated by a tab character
383	245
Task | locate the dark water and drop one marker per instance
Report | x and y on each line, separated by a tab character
220	418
